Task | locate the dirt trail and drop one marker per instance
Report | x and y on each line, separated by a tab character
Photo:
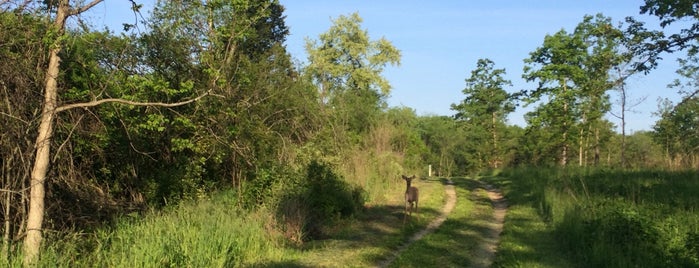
486	252
448	207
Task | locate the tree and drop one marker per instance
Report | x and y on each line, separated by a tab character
346	66
574	73
560	60
51	108
603	42
677	131
669	12
679	124
486	107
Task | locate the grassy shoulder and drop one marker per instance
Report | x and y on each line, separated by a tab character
527	240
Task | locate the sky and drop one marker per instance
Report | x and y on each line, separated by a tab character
441	41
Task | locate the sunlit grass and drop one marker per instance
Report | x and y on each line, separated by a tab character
371	238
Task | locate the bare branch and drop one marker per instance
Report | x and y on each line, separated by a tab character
128	136
84	8
688	97
128	102
70	134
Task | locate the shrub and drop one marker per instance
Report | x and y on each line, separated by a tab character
319	199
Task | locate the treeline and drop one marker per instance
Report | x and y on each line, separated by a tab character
203	96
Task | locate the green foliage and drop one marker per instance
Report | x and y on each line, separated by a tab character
573	72
678	124
346	66
620	234
669	12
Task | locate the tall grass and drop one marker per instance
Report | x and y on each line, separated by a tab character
208	233
613	218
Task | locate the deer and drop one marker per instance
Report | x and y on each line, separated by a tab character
411	196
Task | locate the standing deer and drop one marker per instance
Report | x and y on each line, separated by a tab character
411	196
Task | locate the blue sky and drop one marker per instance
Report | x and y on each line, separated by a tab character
441	41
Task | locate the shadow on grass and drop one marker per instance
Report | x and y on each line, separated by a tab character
370	236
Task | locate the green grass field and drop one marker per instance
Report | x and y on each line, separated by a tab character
600	218
556	218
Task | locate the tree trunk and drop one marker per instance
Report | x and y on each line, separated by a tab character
580	148
597	152
35	217
6	236
623	126
564	151
496	151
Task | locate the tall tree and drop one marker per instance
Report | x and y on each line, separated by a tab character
636	53
346	65
573	71
603	41
679	124
486	107
560	61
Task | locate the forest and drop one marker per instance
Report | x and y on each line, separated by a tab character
109	141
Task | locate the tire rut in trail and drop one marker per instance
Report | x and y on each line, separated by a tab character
448	207
485	253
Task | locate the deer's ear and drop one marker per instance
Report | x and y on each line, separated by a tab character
412	177
405	177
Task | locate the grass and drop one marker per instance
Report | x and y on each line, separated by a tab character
208	233
592	218
454	242
526	240
372	237
212	232
556	218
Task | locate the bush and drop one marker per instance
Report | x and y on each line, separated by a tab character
321	198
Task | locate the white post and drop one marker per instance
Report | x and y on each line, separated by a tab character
429	173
